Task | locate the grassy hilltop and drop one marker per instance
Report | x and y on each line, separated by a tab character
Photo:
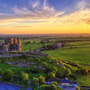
73	51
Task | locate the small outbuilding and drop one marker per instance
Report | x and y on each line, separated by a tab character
58	45
65	82
73	83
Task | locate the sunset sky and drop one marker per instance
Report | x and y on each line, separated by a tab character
44	16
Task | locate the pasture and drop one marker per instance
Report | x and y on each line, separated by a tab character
74	51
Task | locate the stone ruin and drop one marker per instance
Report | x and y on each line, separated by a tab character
10	44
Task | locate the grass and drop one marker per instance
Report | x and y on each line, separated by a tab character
79	51
83	80
79	54
27	70
34	46
74	51
36	75
16	70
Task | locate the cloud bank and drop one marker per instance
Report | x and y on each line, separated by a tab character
44	13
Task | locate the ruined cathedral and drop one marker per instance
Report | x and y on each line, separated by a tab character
11	44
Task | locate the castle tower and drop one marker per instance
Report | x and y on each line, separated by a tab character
15	41
19	44
12	40
18	39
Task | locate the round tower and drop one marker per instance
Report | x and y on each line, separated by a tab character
18	39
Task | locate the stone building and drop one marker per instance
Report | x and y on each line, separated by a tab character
10	44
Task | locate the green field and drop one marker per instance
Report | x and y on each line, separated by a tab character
17	70
76	51
33	45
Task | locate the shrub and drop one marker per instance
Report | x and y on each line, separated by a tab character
51	75
34	41
34	69
55	69
22	76
34	83
0	71
41	80
15	78
68	71
63	67
47	69
73	76
45	64
23	57
7	75
25	81
84	70
77	88
38	60
49	87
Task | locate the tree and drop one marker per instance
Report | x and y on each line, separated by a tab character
34	83
23	75
42	42
68	71
34	41
25	81
49	87
15	78
42	87
55	69
0	71
45	64
53	87
77	88
47	69
41	80
51	75
7	75
48	41
84	70
34	69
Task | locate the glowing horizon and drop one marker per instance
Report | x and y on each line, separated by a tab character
44	16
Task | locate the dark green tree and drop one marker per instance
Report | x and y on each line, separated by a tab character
34	83
51	75
0	71
41	80
25	81
77	88
7	75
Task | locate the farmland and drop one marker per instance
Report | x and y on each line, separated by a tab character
76	51
73	51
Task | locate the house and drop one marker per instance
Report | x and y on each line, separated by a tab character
58	45
73	83
59	82
65	82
